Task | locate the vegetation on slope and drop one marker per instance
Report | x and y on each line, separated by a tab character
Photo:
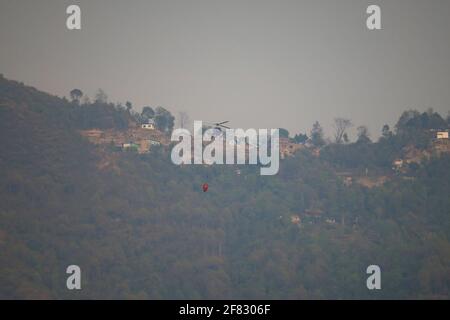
148	230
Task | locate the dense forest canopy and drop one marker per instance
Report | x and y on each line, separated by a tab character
147	230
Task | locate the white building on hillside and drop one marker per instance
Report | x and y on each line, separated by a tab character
442	135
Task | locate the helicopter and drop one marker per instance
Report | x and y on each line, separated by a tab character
218	130
218	127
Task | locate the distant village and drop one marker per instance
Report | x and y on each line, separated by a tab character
440	144
142	137
139	138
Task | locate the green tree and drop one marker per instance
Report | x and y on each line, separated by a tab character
147	113
284	133
345	138
317	138
76	95
386	132
164	120
129	106
301	138
363	135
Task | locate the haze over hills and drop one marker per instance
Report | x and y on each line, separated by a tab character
141	227
282	64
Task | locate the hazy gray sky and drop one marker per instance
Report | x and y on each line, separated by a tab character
261	64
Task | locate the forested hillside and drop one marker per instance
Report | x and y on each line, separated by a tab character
143	228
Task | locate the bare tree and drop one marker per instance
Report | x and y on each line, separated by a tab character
86	100
101	96
340	127
183	119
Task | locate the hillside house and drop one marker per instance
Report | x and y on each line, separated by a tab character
316	152
442	135
346	176
295	219
397	164
348	181
288	148
154	142
130	146
127	139
146	144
